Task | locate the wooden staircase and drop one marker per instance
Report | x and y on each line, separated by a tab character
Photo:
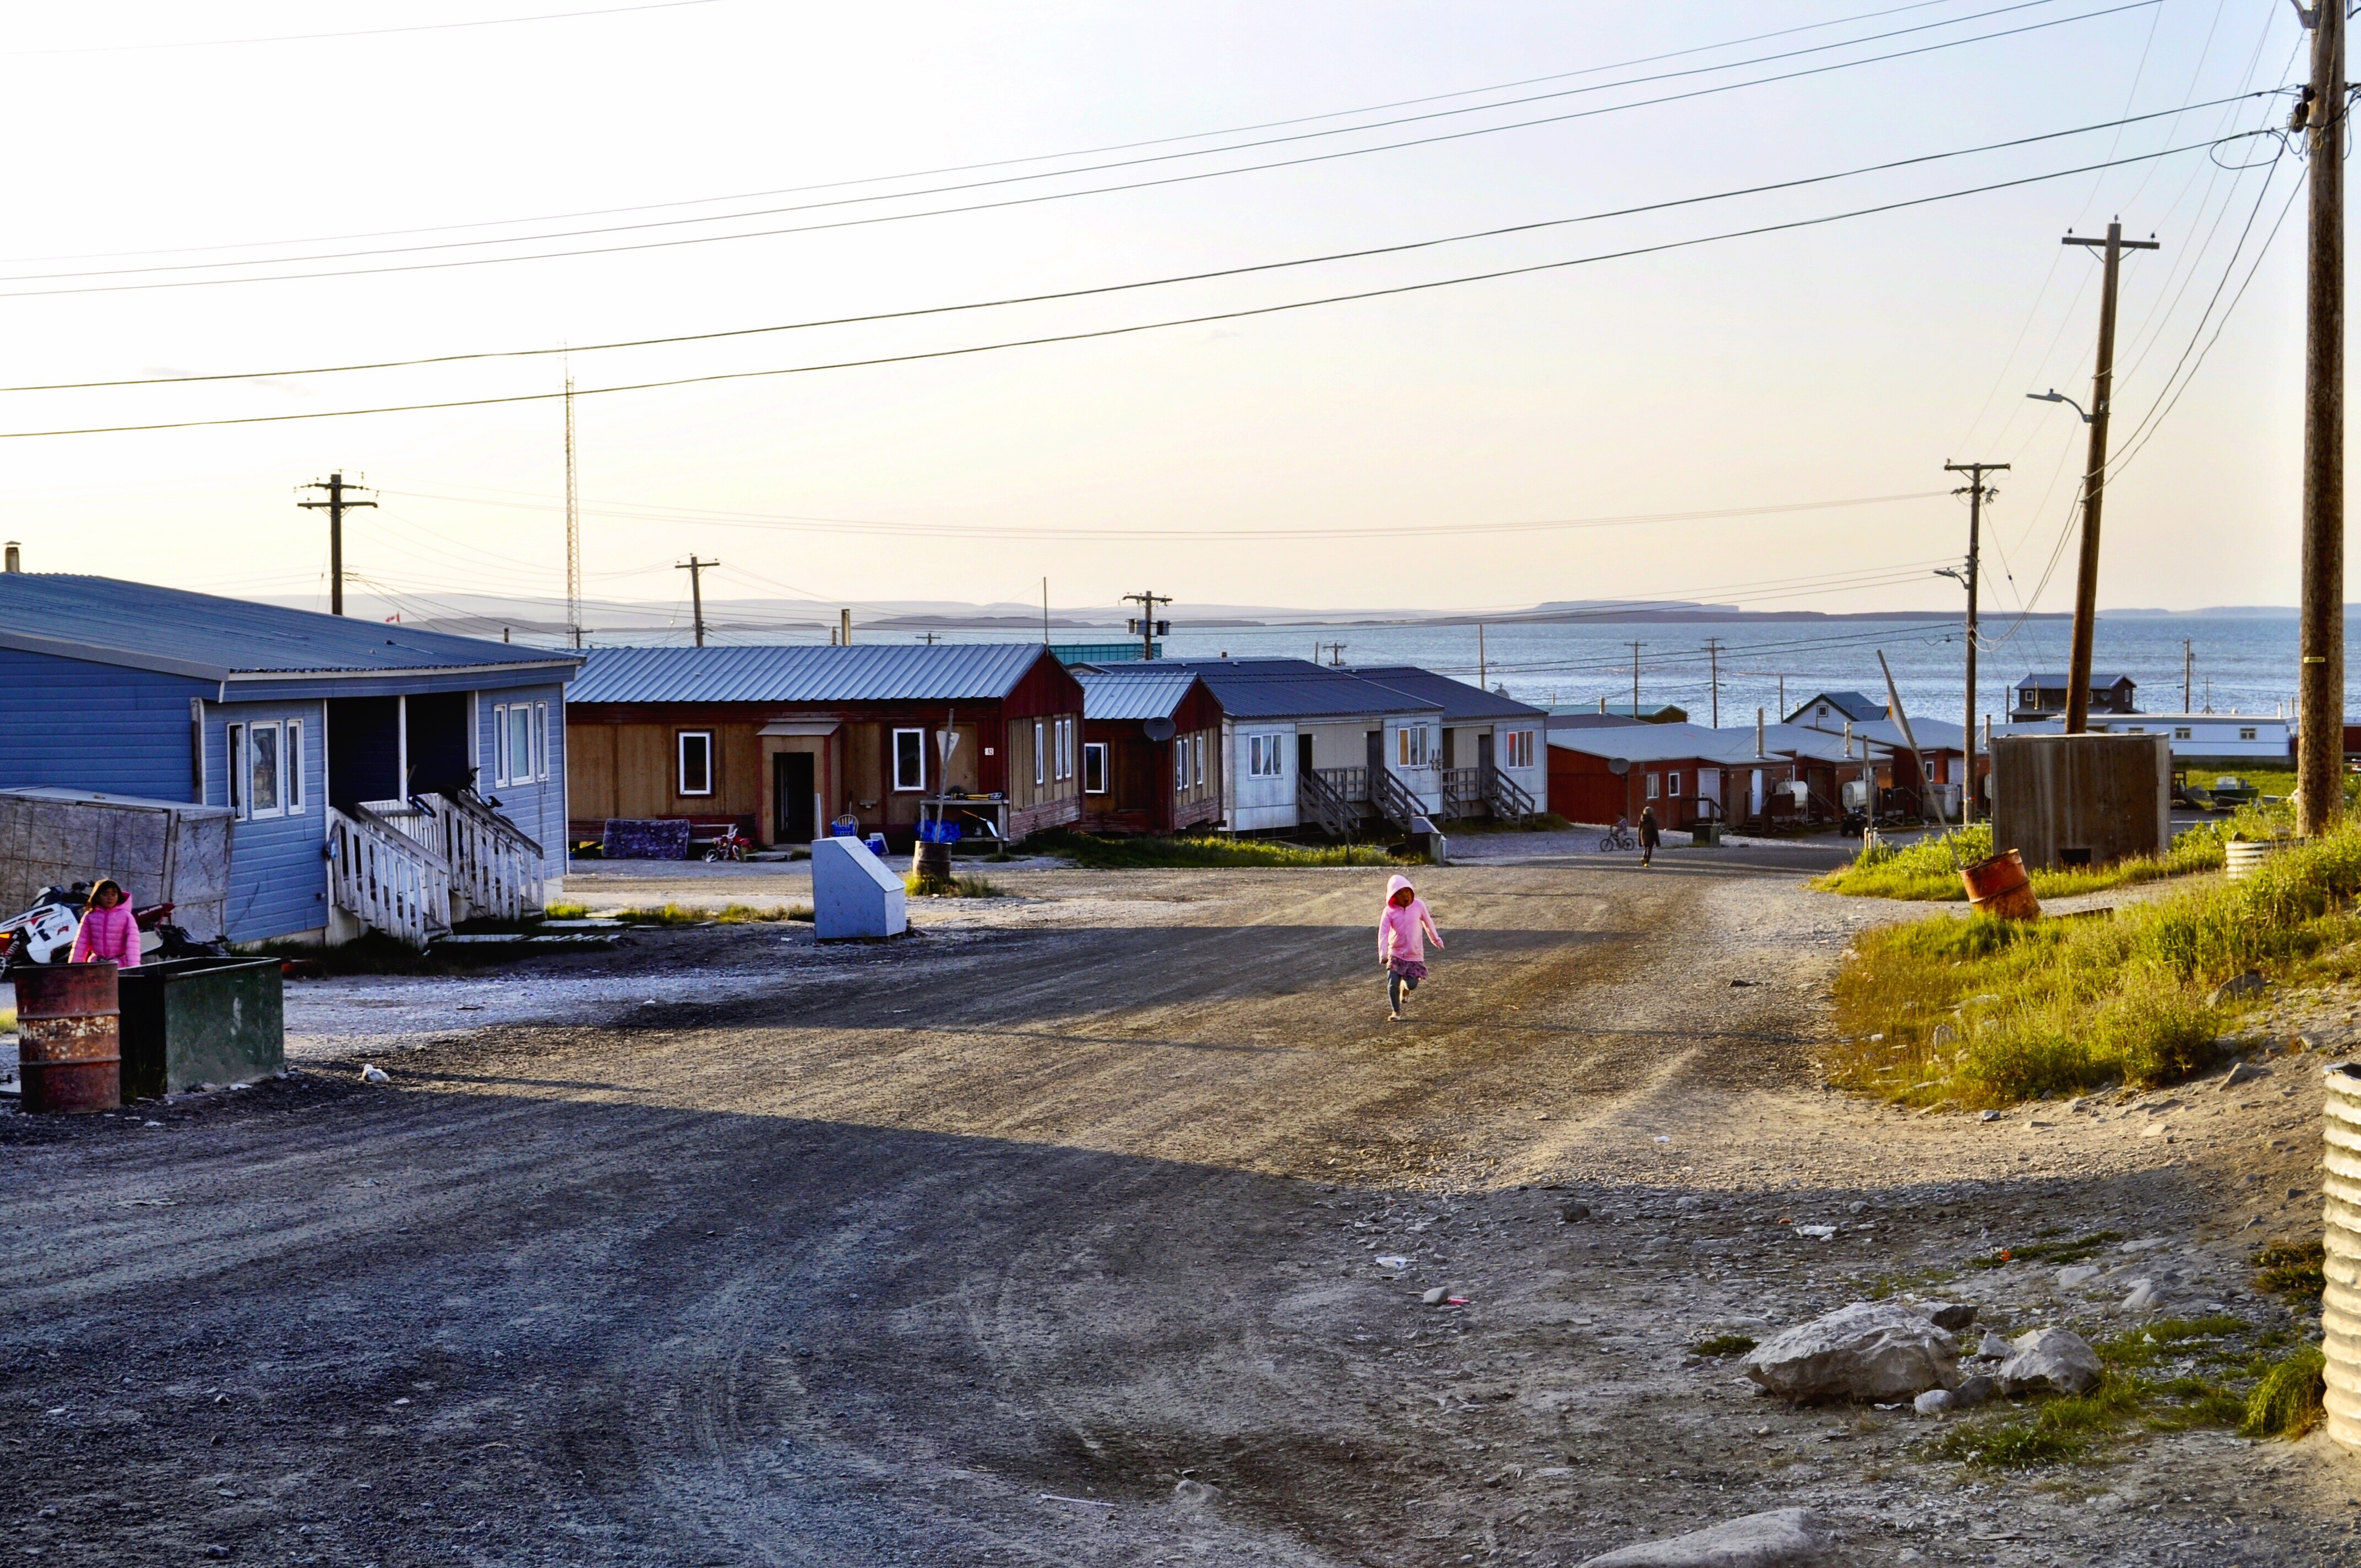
412	869
1509	801
386	880
1393	799
1319	801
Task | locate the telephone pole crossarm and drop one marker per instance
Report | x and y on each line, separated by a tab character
336	504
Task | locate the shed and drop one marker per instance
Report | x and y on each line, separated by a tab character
1679	769
785	739
1152	753
377	776
1492	763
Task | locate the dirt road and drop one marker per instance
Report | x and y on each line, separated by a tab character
1095	1236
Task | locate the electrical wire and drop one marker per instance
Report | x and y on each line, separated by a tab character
871	318
995	163
941	211
1101	332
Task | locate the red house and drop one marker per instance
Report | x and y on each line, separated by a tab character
1151	752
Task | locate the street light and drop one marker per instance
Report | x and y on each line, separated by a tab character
2055	396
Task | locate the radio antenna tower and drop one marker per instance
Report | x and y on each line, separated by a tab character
573	529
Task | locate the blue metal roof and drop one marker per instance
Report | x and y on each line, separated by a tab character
1116	698
1852	705
142	626
2059	679
1286	688
945	672
1460	701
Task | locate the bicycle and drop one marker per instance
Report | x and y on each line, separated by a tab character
732	846
1617	839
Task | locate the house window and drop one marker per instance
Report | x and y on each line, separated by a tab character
1518	748
1672	783
1655	786
294	767
910	759
1040	755
523	765
540	740
236	768
1065	749
2180	732
1412	748
1094	753
2246	733
1197	758
1266	756
1181	763
696	752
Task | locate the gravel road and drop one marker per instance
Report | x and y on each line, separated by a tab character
1091	1226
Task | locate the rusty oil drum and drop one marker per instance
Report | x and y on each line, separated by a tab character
68	1037
931	863
1999	887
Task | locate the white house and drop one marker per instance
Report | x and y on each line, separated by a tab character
1489	740
2225	739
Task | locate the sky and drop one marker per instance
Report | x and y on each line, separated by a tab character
1672	424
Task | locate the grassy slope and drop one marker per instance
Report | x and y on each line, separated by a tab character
1982	1011
1929	869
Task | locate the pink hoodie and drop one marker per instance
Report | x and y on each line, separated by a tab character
1400	929
110	933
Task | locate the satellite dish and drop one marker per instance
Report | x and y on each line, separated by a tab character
1158	728
1618	764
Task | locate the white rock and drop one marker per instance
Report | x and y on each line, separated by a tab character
2143	1296
2077	1275
1783	1538
1818	1232
372	1074
1870	1350
1933	1402
1992	1344
2050	1361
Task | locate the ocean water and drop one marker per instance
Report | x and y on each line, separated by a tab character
2244	662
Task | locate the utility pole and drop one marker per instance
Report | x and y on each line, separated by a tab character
696	570
2095	475
1977	493
2188	671
2319	679
1480	655
1713	657
1146	624
573	531
1045	615
1635	680
337	504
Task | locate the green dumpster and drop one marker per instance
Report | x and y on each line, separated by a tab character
191	1021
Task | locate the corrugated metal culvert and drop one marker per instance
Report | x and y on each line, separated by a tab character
2340	1309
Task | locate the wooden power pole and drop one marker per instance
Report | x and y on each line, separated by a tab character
1977	493
1146	625
696	570
2320	680
2094	476
338	503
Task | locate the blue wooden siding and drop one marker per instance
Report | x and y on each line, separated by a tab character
538	807
278	874
76	725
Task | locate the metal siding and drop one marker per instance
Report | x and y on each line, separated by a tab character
1283	688
277	876
1461	703
1257	805
946	671
538	809
389	684
79	725
1114	699
122	624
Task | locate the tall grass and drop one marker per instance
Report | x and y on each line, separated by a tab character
1096	853
950	887
1986	1012
1929	868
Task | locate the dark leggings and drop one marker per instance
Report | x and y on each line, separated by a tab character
1395	986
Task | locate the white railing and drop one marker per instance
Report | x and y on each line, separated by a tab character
386	879
495	869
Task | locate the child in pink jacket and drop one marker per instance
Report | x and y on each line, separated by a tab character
1403	932
109	930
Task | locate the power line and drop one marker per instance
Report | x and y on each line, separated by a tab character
944	212
1009	162
1100	332
1014	300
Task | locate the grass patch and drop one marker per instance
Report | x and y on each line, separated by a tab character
948	887
1095	853
748	915
2047	1252
566	912
2293	1271
2288	1402
1985	1013
1722	1344
1928	871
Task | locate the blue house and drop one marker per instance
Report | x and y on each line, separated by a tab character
381	777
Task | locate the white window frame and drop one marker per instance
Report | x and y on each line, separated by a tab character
2246	732
499	745
1100	747
1520	748
1266	756
291	769
2180	732
1673	783
541	733
1181	763
525	769
1655	786
244	759
895	762
680	739
233	740
1040	755
1197	761
1065	750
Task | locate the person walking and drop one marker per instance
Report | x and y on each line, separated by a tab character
109	930
1404	931
1650	835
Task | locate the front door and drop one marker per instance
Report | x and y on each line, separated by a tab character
1484	749
1302	752
1376	759
794	798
